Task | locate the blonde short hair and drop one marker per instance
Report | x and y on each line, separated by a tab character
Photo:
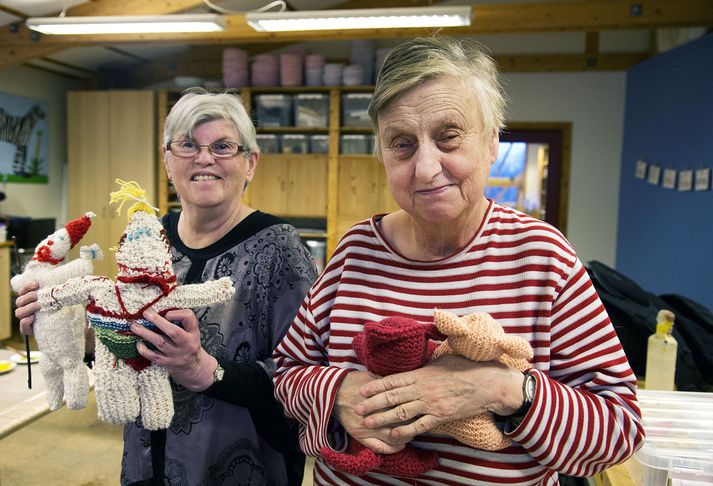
422	59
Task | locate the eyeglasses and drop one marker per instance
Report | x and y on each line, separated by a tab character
220	150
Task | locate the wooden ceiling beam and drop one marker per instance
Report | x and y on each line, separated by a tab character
13	12
18	44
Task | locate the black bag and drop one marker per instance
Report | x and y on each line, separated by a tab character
633	311
695	321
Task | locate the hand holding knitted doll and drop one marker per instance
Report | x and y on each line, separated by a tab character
400	344
479	337
127	384
60	334
393	345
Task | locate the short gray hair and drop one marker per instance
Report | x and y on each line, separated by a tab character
422	59
198	105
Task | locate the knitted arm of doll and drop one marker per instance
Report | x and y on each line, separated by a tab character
199	295
74	291
76	268
46	274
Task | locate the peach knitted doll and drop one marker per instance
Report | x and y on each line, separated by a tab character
60	334
128	385
479	337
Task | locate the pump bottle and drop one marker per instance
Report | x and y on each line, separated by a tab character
661	354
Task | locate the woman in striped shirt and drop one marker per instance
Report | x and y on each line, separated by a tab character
438	109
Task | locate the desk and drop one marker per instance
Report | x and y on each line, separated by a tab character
19	405
629	473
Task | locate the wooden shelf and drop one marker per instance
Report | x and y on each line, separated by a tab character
292	130
339	189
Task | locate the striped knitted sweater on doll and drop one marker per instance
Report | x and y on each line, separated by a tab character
60	334
398	344
127	385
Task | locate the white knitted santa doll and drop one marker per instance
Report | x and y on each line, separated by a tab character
128	385
60	334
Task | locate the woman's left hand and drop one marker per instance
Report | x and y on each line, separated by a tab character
448	389
178	348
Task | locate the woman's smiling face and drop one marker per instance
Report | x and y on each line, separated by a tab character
205	181
436	156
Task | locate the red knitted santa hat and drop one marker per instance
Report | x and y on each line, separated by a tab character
55	247
78	227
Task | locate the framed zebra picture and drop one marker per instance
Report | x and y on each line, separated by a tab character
23	139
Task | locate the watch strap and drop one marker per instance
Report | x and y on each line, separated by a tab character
218	374
527	398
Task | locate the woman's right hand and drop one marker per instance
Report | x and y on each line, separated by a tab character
378	440
26	306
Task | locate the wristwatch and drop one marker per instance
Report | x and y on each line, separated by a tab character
218	374
529	386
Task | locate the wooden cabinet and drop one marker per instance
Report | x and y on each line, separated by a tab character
336	189
5	304
110	135
290	185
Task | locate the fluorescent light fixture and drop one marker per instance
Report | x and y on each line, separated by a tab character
127	24
371	18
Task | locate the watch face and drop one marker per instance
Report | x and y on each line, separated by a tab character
530	387
218	374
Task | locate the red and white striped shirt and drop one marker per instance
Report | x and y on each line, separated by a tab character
524	273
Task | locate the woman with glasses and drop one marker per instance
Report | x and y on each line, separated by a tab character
227	427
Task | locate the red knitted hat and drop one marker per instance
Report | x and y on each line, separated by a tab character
78	227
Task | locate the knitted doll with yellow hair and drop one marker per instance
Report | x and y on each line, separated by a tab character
60	335
128	385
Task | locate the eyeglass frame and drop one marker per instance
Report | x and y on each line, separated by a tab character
239	149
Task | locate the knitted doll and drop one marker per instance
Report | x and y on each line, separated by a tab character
128	385
60	335
479	337
393	345
401	344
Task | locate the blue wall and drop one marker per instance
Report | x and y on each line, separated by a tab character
665	237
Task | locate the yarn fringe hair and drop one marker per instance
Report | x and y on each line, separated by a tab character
131	191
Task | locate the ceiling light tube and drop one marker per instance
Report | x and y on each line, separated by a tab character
372	18
127	24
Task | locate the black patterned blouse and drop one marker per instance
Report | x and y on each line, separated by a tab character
234	432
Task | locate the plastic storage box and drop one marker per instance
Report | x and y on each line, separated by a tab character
355	144
273	110
294	143
318	144
269	143
311	110
355	110
679	437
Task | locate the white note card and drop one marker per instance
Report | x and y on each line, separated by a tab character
640	172
654	175
703	180
685	180
669	178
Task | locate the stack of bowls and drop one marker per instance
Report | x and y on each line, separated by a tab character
290	69
314	69
265	71
362	53
235	68
353	75
332	74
